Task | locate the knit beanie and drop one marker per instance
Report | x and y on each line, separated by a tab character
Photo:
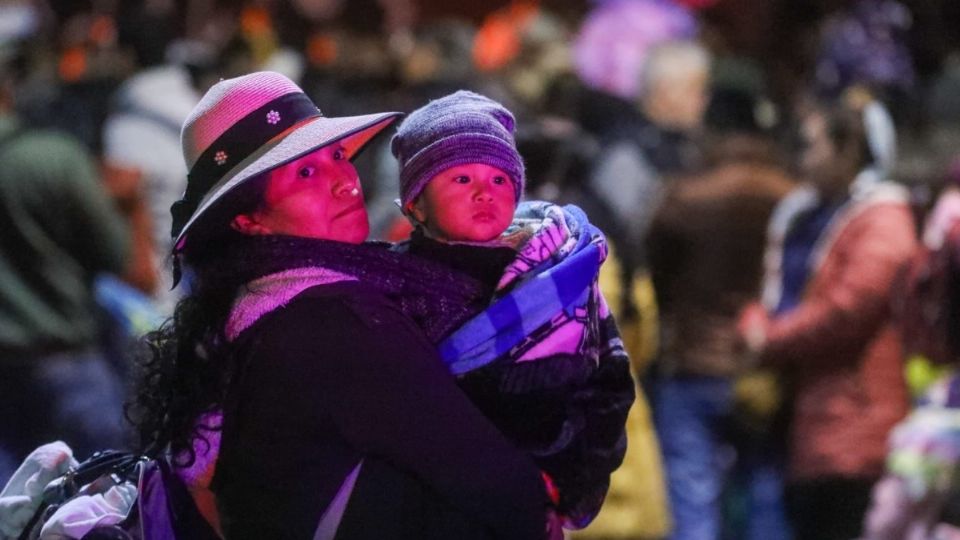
458	129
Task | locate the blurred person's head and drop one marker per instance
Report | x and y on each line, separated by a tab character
441	51
841	138
147	28
674	85
197	57
739	125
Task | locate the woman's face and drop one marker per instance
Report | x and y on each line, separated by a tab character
315	196
467	203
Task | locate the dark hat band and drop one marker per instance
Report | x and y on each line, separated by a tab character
236	144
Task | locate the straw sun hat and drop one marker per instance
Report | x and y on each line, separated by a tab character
246	126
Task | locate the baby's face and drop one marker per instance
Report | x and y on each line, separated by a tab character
467	203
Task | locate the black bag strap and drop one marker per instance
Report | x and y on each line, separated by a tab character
114	465
99	464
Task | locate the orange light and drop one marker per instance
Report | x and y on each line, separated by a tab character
255	20
498	40
73	64
322	50
102	30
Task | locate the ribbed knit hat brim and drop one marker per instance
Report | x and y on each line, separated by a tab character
455	150
458	129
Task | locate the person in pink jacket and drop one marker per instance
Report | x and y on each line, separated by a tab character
835	247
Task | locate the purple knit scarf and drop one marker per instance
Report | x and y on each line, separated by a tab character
434	296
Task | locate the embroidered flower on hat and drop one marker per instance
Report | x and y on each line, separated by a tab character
273	117
220	157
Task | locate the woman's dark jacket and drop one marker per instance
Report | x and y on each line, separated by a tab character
340	374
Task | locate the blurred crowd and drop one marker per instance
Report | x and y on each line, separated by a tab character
779	183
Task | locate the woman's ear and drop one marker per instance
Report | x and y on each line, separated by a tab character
249	224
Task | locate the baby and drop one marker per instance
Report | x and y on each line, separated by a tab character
540	356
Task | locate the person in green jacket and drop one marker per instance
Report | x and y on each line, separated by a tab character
58	231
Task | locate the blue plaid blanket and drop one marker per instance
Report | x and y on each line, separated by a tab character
554	274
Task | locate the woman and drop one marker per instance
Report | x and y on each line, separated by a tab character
330	394
836	246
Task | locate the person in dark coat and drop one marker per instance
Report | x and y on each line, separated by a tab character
705	252
59	233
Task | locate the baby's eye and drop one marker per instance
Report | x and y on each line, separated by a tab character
306	172
499	180
462	179
339	154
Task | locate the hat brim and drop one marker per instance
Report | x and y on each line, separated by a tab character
354	131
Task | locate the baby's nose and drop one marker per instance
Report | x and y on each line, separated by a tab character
482	192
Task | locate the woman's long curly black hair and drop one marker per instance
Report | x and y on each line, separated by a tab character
187	364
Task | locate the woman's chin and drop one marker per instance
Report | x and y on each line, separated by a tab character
353	228
357	235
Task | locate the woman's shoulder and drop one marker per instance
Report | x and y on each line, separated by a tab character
348	299
347	318
351	310
268	307
329	332
268	298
